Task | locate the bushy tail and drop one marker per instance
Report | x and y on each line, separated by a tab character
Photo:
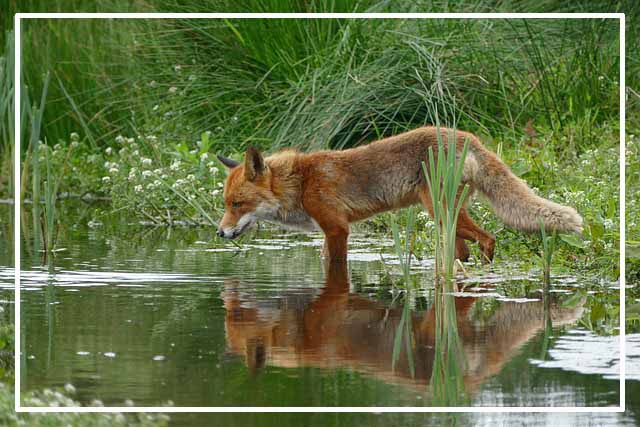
512	200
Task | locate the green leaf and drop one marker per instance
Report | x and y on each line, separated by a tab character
597	313
573	300
632	250
632	313
520	168
597	230
573	240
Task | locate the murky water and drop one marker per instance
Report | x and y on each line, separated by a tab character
154	315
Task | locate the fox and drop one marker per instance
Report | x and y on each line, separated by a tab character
330	189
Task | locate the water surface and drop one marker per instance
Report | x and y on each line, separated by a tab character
157	315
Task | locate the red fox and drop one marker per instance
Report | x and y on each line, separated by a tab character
328	190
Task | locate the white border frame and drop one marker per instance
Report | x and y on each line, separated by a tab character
377	409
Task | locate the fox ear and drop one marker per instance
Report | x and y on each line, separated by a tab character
229	163
253	164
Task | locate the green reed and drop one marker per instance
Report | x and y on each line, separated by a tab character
444	178
548	248
404	249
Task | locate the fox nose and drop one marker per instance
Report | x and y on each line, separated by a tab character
220	233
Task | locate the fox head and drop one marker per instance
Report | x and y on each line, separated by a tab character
247	194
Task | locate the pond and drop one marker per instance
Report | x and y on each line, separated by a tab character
155	316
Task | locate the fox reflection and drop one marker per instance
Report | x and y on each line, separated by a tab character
334	328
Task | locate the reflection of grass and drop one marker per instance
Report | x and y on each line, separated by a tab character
449	363
444	177
404	330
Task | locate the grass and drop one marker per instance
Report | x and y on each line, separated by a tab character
404	250
543	92
548	247
448	195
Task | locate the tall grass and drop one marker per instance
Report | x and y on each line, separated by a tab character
317	83
546	258
404	250
444	179
6	114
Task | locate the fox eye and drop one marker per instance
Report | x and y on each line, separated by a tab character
236	205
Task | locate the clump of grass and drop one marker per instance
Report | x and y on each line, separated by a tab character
404	250
444	178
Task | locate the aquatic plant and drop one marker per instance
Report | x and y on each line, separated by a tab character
444	179
404	249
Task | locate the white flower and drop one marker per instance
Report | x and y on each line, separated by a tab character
136	153
120	139
108	151
146	174
157	183
192	196
173	89
75	144
138	188
215	192
130	140
107	165
202	189
152	83
220	185
177	68
204	156
175	165
69	388
214	170
157	171
193	151
152	138
191	177
57	147
113	170
155	107
106	179
146	162
75	137
164	176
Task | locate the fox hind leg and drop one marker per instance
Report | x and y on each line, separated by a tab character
469	230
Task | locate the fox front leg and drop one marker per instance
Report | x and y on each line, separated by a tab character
335	246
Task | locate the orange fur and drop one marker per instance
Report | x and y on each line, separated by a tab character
331	189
